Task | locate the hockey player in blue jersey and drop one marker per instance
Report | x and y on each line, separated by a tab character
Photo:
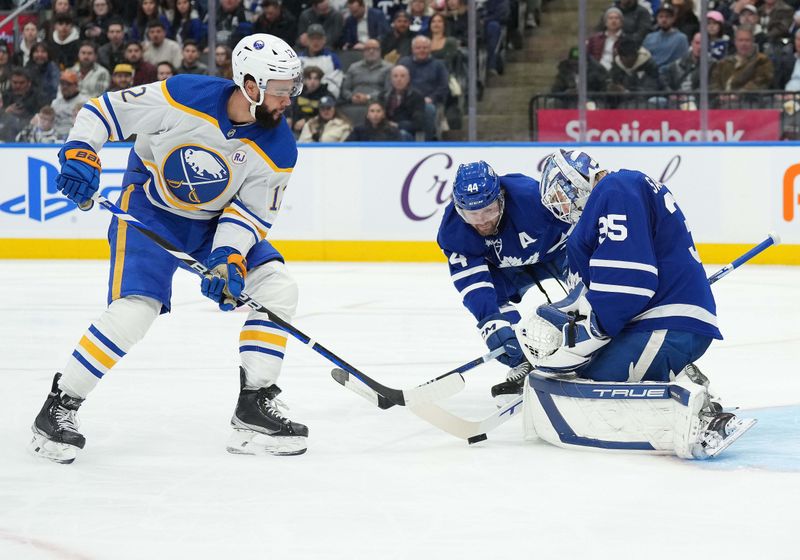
499	241
209	168
642	309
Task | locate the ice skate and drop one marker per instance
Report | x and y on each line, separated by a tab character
55	430
720	431
505	392
260	428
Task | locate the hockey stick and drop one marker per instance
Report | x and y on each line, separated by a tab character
772	239
393	396
438	388
475	430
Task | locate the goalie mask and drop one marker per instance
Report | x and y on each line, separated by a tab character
478	196
567	181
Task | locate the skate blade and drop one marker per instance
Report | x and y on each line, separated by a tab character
248	442
742	425
54	451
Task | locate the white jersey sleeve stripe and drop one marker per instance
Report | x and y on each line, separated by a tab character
469	272
475	286
117	127
231	212
629	265
96	112
233	219
678	310
242	209
619	289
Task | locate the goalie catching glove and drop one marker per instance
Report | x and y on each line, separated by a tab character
224	282
561	337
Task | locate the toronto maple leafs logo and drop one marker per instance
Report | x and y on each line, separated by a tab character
506	262
573	279
496	244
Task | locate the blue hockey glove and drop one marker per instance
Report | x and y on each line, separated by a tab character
225	281
80	174
497	333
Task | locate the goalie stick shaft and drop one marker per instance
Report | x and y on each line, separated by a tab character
772	239
395	396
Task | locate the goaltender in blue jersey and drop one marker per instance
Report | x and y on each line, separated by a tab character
500	241
641	311
647	309
208	170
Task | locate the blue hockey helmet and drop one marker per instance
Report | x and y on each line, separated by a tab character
567	181
478	196
476	186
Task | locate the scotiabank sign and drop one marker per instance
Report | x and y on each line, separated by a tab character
560	125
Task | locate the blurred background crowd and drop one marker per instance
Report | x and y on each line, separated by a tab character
396	70
382	70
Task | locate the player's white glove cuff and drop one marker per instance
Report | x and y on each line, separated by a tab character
491	325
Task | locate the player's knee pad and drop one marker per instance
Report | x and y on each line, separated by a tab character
644	417
271	285
128	319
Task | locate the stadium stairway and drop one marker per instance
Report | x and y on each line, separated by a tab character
503	110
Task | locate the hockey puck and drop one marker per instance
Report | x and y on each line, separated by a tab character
476	439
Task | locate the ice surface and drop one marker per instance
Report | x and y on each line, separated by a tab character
155	481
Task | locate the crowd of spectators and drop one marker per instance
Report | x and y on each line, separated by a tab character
373	69
647	54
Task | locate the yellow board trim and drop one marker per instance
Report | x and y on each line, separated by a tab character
355	251
97	353
269	338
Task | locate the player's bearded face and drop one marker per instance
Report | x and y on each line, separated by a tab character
484	220
268	117
277	98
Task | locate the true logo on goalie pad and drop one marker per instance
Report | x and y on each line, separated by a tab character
630	393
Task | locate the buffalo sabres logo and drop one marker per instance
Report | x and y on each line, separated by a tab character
196	175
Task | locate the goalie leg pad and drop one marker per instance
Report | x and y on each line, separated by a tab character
662	418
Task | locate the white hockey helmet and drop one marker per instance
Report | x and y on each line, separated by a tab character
266	57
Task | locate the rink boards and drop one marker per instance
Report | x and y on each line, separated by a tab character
381	202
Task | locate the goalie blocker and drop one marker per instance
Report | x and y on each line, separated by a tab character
663	418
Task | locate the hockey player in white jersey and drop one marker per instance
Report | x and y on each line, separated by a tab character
209	168
642	311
